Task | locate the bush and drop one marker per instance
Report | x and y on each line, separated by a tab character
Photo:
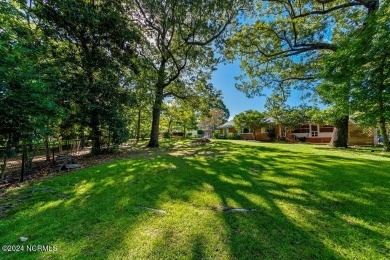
218	135
271	132
167	135
189	135
233	136
200	133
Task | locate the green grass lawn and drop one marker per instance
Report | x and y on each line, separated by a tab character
311	203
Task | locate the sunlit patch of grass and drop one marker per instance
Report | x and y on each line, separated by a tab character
310	202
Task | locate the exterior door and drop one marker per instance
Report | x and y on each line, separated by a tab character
314	131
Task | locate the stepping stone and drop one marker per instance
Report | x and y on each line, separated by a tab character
73	166
156	210
238	210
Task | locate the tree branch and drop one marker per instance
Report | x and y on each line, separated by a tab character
319	12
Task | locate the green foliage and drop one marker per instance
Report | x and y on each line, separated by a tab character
233	136
92	47
27	104
177	39
230	136
285	115
218	135
178	115
281	48
272	133
167	135
200	132
357	75
250	119
282	45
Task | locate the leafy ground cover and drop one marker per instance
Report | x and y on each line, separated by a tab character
308	202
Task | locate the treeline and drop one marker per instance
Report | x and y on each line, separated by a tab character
101	70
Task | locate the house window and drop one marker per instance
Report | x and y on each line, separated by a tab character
263	130
326	129
314	133
245	131
301	129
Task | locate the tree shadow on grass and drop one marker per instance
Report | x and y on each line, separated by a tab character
309	208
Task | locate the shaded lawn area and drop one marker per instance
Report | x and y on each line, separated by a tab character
310	202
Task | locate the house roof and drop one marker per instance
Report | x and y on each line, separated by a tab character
227	124
230	123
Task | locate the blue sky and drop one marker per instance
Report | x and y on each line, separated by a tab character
236	101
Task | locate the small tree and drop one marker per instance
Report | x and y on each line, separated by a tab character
284	115
251	119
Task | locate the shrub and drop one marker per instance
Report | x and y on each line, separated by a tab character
233	136
271	132
200	133
218	135
167	135
189	135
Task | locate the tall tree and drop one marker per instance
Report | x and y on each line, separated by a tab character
282	48
26	102
102	40
178	36
360	69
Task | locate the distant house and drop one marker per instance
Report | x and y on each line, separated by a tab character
246	133
310	132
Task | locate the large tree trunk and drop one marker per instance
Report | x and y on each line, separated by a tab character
138	126
384	134
96	133
382	120
340	133
154	134
158	100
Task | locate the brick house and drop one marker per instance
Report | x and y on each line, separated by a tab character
310	132
246	134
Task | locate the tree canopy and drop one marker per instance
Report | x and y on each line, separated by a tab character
359	69
251	119
283	46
